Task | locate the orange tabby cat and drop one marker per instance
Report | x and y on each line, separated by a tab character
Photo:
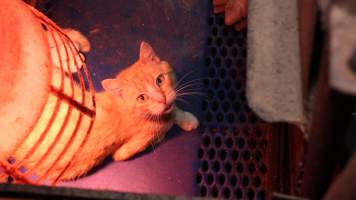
135	110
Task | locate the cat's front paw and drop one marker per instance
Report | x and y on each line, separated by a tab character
189	122
121	154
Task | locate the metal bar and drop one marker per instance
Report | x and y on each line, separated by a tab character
81	108
80	148
65	122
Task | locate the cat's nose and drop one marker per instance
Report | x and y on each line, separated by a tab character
159	97
163	99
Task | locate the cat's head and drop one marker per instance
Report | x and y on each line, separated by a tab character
147	87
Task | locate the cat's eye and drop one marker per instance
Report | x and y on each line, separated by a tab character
159	80
142	98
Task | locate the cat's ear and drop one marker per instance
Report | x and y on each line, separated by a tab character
147	54
112	86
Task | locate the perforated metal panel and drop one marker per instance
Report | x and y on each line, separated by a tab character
235	142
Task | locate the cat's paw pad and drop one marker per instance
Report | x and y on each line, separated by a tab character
190	122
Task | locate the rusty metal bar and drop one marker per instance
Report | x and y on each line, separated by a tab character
65	122
74	134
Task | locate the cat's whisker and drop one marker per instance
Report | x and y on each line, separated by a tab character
188	86
189	90
154	118
149	117
194	82
153	143
190	81
190	93
182	78
184	86
191	85
186	74
182	100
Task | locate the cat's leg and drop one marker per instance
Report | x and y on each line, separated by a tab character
185	120
66	51
130	148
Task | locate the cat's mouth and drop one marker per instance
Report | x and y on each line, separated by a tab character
168	108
